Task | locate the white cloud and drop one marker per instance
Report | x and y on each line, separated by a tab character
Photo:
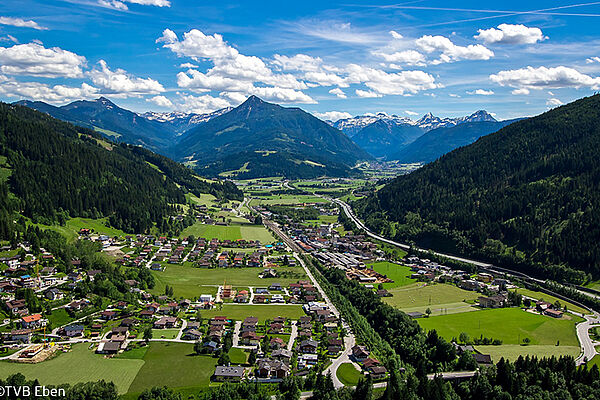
338	92
115	4
384	83
188	66
57	94
592	60
160	101
396	35
511	34
21	23
202	104
332	115
453	95
233	71
481	92
298	62
451	52
366	93
9	38
554	102
520	91
36	60
157	3
408	57
120	83
412	113
325	79
545	78
120	4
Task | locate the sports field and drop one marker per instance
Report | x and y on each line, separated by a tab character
440	298
173	365
232	232
262	311
511	325
188	281
512	351
400	274
78	365
348	375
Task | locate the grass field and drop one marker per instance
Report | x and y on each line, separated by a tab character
79	365
512	351
348	375
551	299
173	365
59	317
511	325
400	274
238	356
232	232
71	228
287	200
594	361
167	333
440	298
262	312
188	281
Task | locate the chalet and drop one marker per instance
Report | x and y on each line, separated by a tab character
109	347
360	353
210	346
31	321
108	315
20	335
275	286
469	284
274	369
128	322
16	307
377	372
282	354
497	301
275	327
250	338
542	306
228	374
165	322
53	294
277	298
307	360
276	343
73	330
192	334
334	346
308	346
249	323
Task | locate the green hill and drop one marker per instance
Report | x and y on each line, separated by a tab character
527	196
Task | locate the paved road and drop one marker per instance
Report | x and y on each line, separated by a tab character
349	342
293	335
588	350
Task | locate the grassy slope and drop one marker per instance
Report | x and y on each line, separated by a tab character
79	365
232	232
507	324
400	274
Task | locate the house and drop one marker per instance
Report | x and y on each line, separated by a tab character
73	330
282	354
415	314
165	322
308	346
275	286
250	338
249	323
277	298
483	359
274	369
469	284
20	335
110	347
275	327
497	301
276	343
228	374
542	306
360	353
16	307
108	315
192	334
53	294
31	321
377	372
210	346
334	346
307	360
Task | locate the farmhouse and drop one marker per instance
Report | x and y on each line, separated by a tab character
228	374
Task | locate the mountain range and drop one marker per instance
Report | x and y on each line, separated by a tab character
526	197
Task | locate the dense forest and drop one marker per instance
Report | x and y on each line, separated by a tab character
60	171
526	197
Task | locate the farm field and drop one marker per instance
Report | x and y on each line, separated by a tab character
400	274
551	299
348	375
79	365
511	325
512	351
173	365
438	297
232	232
72	226
262	312
188	281
167	333
443	309
286	200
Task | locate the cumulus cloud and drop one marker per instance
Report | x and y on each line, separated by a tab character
21	23
411	113
36	60
545	78
160	101
451	52
366	93
57	94
407	57
520	91
396	35
298	62
232	71
338	92
202	104
481	92
332	115
384	83
554	102
511	34
188	66
122	84
114	4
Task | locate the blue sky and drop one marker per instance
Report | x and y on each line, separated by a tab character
332	58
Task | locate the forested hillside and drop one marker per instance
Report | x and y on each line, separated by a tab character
57	170
527	196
